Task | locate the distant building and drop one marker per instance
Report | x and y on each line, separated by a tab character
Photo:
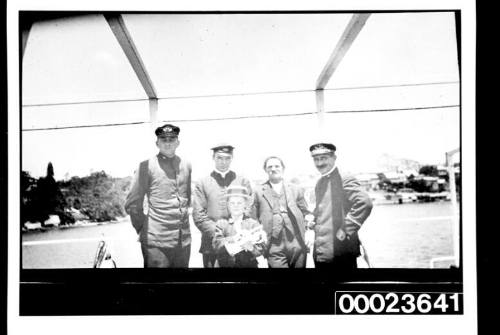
408	172
394	177
368	180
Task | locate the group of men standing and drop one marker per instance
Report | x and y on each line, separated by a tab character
341	208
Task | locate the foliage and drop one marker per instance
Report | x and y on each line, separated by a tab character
28	193
419	185
429	170
40	198
98	196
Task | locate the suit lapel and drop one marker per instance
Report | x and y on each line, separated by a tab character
230	177
226	181
267	193
288	193
218	178
337	197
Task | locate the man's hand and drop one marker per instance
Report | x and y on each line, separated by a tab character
351	226
248	246
309	239
341	234
309	221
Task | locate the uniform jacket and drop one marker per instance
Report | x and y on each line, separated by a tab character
225	230
209	204
264	208
168	191
349	207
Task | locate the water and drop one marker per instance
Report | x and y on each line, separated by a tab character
409	235
395	236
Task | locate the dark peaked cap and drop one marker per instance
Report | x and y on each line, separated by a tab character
224	148
167	130
322	148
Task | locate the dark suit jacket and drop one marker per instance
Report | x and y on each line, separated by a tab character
354	208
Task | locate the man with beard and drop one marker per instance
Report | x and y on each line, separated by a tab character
209	201
341	208
166	180
280	207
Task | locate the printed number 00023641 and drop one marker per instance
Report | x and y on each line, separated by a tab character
398	303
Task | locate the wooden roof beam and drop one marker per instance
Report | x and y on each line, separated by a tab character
126	42
348	36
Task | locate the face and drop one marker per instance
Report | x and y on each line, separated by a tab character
274	170
167	145
222	161
324	162
236	206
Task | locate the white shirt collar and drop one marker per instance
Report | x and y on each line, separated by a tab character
223	174
331	170
277	187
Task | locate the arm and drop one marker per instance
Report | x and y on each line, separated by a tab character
361	205
189	185
200	215
135	198
250	210
219	239
254	207
301	202
222	242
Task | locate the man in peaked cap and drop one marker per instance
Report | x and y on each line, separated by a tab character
209	202
166	180
341	208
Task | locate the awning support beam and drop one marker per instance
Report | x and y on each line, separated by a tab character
348	36
126	42
119	29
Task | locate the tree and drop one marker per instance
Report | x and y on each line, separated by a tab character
48	198
429	170
98	196
28	191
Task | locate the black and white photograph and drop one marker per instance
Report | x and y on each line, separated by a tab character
165	154
219	94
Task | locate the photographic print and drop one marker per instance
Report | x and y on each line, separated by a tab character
165	155
383	88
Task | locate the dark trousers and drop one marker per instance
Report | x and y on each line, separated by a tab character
177	257
285	251
209	260
339	263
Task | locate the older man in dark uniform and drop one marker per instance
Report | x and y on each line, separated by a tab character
281	208
166	180
209	202
341	208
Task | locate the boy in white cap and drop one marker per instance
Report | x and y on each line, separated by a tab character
238	239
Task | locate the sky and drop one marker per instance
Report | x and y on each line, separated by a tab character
211	67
